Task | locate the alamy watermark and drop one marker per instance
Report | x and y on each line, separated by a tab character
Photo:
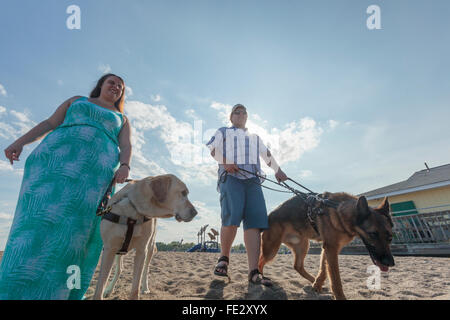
74	280
373	282
373	22
74	20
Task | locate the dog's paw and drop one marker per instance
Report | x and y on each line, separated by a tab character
145	292
317	287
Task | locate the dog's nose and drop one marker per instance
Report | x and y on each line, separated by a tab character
388	260
193	212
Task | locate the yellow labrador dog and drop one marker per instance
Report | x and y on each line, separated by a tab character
150	198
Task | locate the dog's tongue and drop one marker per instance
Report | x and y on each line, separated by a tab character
382	267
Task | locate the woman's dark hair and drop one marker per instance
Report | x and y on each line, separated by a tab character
95	93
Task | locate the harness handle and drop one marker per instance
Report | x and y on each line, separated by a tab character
102	207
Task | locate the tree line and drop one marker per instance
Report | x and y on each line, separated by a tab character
175	246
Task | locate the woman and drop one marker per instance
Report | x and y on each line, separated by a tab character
54	243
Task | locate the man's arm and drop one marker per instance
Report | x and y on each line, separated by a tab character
271	162
216	146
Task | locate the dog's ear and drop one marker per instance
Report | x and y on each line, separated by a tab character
362	210
160	187
383	208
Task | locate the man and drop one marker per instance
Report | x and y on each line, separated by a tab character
241	197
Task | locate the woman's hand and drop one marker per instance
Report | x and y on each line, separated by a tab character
13	152
121	174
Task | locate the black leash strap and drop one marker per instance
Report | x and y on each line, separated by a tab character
102	207
304	196
284	185
313	200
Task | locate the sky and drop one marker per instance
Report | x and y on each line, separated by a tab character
343	106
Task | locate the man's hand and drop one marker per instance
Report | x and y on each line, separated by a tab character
231	168
280	175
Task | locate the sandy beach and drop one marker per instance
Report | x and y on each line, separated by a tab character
179	275
189	276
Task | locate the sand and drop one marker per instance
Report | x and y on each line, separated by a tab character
189	276
179	275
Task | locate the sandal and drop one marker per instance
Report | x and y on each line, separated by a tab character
223	266
259	279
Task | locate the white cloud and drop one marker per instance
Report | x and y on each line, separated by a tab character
286	144
15	123
3	91
156	98
60	82
7	131
128	92
141	166
104	68
6	166
6	216
23	117
191	114
332	124
305	174
183	140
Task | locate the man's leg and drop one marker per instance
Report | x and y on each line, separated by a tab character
227	235
252	240
255	220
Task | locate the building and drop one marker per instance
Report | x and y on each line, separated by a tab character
420	207
425	191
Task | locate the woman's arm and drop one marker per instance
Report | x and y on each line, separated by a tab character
125	152
38	131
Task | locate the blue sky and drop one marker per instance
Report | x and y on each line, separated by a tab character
344	108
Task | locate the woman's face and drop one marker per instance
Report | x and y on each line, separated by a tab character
112	88
239	117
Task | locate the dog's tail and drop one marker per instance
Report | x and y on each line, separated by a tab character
270	243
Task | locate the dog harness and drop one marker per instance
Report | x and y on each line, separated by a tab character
316	208
130	223
105	213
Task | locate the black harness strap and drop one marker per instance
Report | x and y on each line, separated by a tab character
105	213
130	223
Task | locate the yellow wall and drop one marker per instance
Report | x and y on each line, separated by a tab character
422	199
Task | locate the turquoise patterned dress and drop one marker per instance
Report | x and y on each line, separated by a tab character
54	243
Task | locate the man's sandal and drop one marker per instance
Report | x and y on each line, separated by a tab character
259	279
222	266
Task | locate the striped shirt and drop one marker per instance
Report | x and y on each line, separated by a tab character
240	147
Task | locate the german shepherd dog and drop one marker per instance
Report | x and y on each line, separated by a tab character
289	224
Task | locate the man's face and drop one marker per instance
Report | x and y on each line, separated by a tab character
239	117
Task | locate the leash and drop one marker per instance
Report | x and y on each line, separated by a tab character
264	178
284	185
102	207
313	200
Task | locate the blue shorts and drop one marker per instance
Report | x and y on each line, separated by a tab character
243	200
